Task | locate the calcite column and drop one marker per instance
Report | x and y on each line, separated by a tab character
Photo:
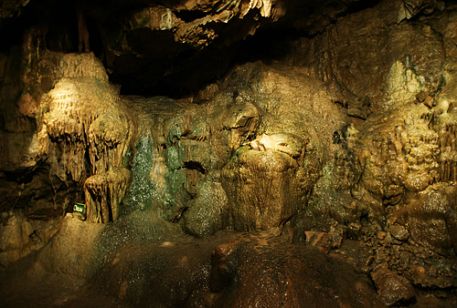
104	193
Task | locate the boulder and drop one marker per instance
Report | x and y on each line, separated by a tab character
392	288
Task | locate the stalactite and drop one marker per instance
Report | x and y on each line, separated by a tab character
104	192
448	152
89	133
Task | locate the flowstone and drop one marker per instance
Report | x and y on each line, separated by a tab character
264	189
88	134
141	190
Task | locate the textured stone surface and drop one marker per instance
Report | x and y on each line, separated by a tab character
252	272
21	235
392	289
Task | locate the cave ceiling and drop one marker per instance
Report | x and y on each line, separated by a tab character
175	47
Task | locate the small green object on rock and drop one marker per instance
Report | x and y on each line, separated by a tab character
80	210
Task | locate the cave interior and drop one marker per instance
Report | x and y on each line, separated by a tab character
228	153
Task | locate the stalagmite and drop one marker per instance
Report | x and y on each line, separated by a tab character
89	135
103	193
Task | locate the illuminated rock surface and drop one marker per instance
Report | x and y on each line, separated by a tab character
228	153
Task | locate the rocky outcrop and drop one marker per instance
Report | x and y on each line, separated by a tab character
237	280
86	134
21	235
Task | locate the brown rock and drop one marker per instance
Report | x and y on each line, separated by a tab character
381	235
429	102
318	239
289	276
392	288
399	232
28	106
325	240
104	193
421	96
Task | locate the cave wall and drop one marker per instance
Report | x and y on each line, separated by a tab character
394	76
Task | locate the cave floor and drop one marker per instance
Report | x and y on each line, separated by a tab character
225	270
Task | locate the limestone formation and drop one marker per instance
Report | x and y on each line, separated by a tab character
89	135
104	193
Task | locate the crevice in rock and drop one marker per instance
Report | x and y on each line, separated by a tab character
195	165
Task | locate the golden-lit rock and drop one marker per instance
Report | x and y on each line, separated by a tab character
104	193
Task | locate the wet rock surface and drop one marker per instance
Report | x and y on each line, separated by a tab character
259	274
226	270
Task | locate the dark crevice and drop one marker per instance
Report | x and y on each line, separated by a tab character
189	16
195	165
22	176
360	6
